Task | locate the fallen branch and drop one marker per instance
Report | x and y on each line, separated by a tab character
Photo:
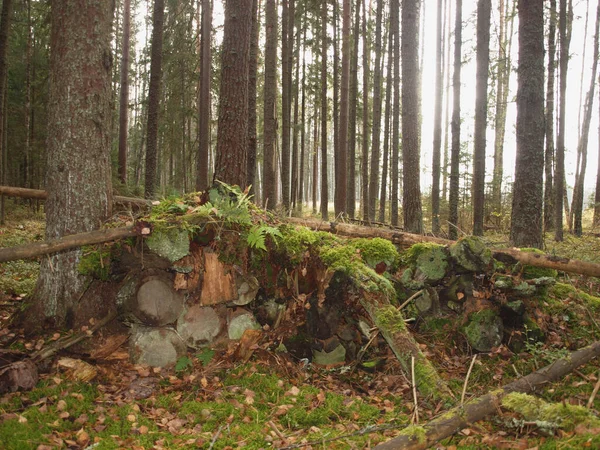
65	243
38	194
460	417
405	240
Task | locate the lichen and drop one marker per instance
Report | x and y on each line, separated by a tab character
415	433
172	243
471	253
563	415
484	330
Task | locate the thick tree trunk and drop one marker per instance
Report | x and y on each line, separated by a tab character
232	137
158	17
484	8
395	58
411	117
5	19
386	131
460	417
526	220
252	74
285	105
78	181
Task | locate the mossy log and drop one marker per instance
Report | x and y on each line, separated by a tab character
390	322
405	240
453	421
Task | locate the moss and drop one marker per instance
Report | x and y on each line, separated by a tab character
480	330
376	250
471	254
95	262
296	241
563	291
390	319
426	378
531	272
415	433
427	260
563	415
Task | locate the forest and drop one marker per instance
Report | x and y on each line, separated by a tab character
299	224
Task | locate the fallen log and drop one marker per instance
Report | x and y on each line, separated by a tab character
39	194
405	240
414	438
65	243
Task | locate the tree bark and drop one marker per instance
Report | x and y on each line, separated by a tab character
455	150
78	175
549	154
342	163
386	132
158	17
270	92
232	136
365	118
352	118
252	74
395	58
411	117
285	105
477	409
376	140
437	126
5	20
204	98
324	114
124	95
484	8
526	219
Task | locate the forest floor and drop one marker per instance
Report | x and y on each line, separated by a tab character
273	401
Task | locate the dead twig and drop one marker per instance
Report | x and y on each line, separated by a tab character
410	299
590	402
415	417
462	396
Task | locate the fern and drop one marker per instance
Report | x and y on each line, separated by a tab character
258	233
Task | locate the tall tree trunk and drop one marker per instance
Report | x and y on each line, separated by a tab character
376	140
365	119
315	159
324	183
124	95
455	151
411	113
5	20
295	124
526	220
204	98
577	206
559	174
352	118
386	130
232	153
484	8
154	95
78	177
341	175
252	80
437	125
395	25
549	154
270	92
301	185
285	105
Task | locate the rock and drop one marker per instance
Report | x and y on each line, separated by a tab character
156	303
199	325
240	321
430	262
335	357
156	347
428	302
172	244
247	288
471	254
19	375
485	330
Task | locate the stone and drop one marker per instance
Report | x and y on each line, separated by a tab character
485	330
199	325
247	288
156	303
471	254
335	357
156	347
172	244
240	321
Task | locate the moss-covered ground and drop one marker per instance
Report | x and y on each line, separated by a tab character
275	401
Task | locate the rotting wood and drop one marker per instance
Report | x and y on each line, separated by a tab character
65	243
460	417
405	240
39	194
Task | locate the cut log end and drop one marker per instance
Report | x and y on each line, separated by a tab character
156	302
